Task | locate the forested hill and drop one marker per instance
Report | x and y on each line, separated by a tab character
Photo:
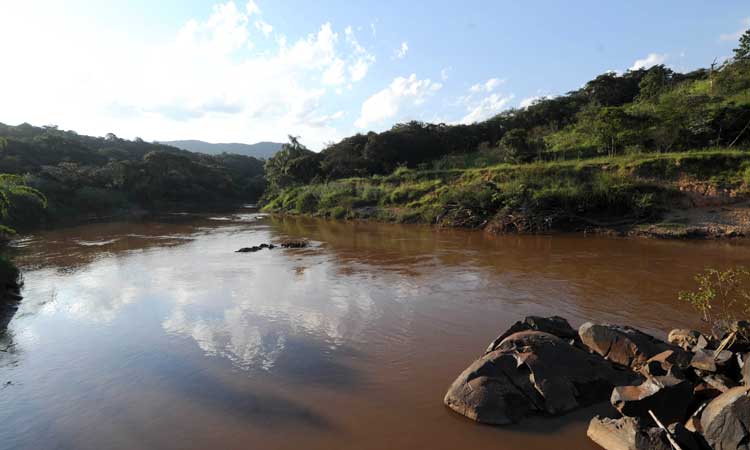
261	150
84	175
616	149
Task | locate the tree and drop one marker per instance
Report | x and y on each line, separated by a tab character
656	80
516	143
293	164
14	186
743	51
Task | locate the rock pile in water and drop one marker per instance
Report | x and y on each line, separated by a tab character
691	392
284	244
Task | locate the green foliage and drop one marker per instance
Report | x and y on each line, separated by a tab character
10	276
742	51
721	296
80	175
293	164
306	203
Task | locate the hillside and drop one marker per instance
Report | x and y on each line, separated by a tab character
260	150
85	176
625	151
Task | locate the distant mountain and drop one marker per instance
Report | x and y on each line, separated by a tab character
259	150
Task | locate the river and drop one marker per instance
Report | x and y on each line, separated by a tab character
157	335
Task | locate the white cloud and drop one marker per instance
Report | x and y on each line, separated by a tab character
263	27
362	59
486	108
251	8
387	103
482	102
400	53
528	101
487	86
204	83
445	73
736	35
653	59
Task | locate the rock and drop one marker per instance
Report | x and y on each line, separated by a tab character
531	372
709	360
252	249
687	439
667	396
726	420
622	345
689	340
294	244
693	424
668	362
555	325
719	382
746	370
626	433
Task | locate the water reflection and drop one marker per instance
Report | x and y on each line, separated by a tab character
132	333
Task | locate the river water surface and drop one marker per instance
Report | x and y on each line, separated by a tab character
156	335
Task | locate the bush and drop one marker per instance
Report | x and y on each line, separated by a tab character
10	276
307	203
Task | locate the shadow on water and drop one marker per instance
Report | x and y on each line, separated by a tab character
239	398
309	361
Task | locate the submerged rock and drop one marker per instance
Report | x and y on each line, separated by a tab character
531	372
622	345
725	422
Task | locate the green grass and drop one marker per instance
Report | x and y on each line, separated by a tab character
553	194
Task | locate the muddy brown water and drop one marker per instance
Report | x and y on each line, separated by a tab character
156	335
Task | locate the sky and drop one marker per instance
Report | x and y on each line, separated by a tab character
249	71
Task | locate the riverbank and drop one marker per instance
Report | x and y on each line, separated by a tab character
701	194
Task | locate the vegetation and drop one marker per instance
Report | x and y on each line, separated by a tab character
722	296
613	151
82	175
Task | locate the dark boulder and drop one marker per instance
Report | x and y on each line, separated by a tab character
555	325
667	396
626	433
710	360
531	372
623	345
725	422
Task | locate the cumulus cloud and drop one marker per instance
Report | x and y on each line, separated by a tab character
205	82
263	27
653	59
445	73
482	102
386	103
487	86
400	52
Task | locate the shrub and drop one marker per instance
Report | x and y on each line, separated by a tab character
307	203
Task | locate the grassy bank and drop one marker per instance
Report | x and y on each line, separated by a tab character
541	196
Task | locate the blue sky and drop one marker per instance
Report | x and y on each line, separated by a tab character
249	71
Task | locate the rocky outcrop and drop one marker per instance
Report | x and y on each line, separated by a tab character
692	392
531	372
284	244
